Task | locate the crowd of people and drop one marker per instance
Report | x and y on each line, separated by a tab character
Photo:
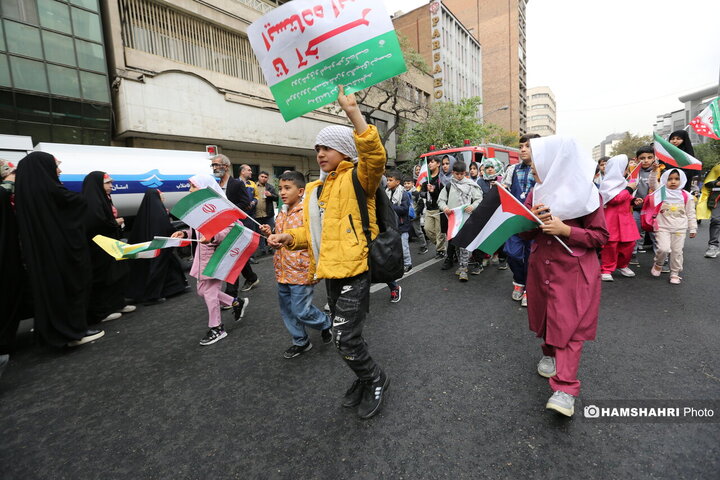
602	213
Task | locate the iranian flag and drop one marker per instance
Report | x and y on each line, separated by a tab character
424	174
707	123
456	220
207	211
232	254
672	155
497	218
660	195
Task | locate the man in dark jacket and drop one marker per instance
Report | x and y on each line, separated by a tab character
237	193
400	200
265	210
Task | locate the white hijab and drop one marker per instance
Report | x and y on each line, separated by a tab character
203	180
673	196
566	172
614	180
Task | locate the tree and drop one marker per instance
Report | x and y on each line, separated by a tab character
629	144
708	153
449	124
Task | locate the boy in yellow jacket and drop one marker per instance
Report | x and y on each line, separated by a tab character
332	232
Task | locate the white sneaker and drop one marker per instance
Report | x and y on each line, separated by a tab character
561	402
607	277
523	302
518	291
128	309
112	316
712	252
546	367
626	272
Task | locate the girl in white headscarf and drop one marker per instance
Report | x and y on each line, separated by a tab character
563	289
617	198
674	219
210	289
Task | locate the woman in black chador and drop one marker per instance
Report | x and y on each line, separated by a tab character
153	279
52	235
108	275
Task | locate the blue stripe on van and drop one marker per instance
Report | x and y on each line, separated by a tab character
126	183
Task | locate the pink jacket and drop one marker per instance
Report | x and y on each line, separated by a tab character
203	252
619	218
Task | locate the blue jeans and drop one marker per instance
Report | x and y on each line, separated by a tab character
407	259
518	253
297	311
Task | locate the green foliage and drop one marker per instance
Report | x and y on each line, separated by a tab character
449	124
412	56
630	144
708	153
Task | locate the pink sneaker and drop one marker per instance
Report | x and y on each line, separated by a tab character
675	279
656	270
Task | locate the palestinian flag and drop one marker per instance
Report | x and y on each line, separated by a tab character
497	218
232	254
707	123
673	156
207	212
456	220
424	174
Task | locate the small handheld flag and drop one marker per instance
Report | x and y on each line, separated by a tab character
207	212
232	254
424	175
673	156
456	220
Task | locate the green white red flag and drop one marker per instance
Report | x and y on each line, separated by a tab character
660	195
424	175
707	123
672	155
207	211
497	218
456	219
232	254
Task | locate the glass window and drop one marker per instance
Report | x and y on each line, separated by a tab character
63	81
96	116
96	137
7	104
8	128
28	74
66	112
58	48
20	10
40	132
86	25
66	134
35	108
4	72
2	37
89	4
54	15
90	55
94	87
23	39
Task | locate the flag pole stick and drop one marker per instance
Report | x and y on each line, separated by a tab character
537	220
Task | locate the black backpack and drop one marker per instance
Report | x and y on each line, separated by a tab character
385	254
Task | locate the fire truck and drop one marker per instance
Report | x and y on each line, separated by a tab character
476	153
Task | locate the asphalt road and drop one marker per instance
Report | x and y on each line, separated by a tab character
146	401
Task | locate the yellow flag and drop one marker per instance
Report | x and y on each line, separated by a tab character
112	247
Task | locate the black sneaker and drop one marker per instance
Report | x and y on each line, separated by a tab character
372	396
395	294
354	394
238	306
476	269
213	335
440	254
423	250
248	285
4	360
503	265
297	350
326	335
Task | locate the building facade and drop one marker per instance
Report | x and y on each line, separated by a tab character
695	102
542	111
454	54
499	25
54	84
606	146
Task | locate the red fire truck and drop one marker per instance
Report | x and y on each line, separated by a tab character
476	153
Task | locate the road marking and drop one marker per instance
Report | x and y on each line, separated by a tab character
379	286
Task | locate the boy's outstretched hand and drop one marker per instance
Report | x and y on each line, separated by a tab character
278	240
349	105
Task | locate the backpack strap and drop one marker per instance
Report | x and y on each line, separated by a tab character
362	205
